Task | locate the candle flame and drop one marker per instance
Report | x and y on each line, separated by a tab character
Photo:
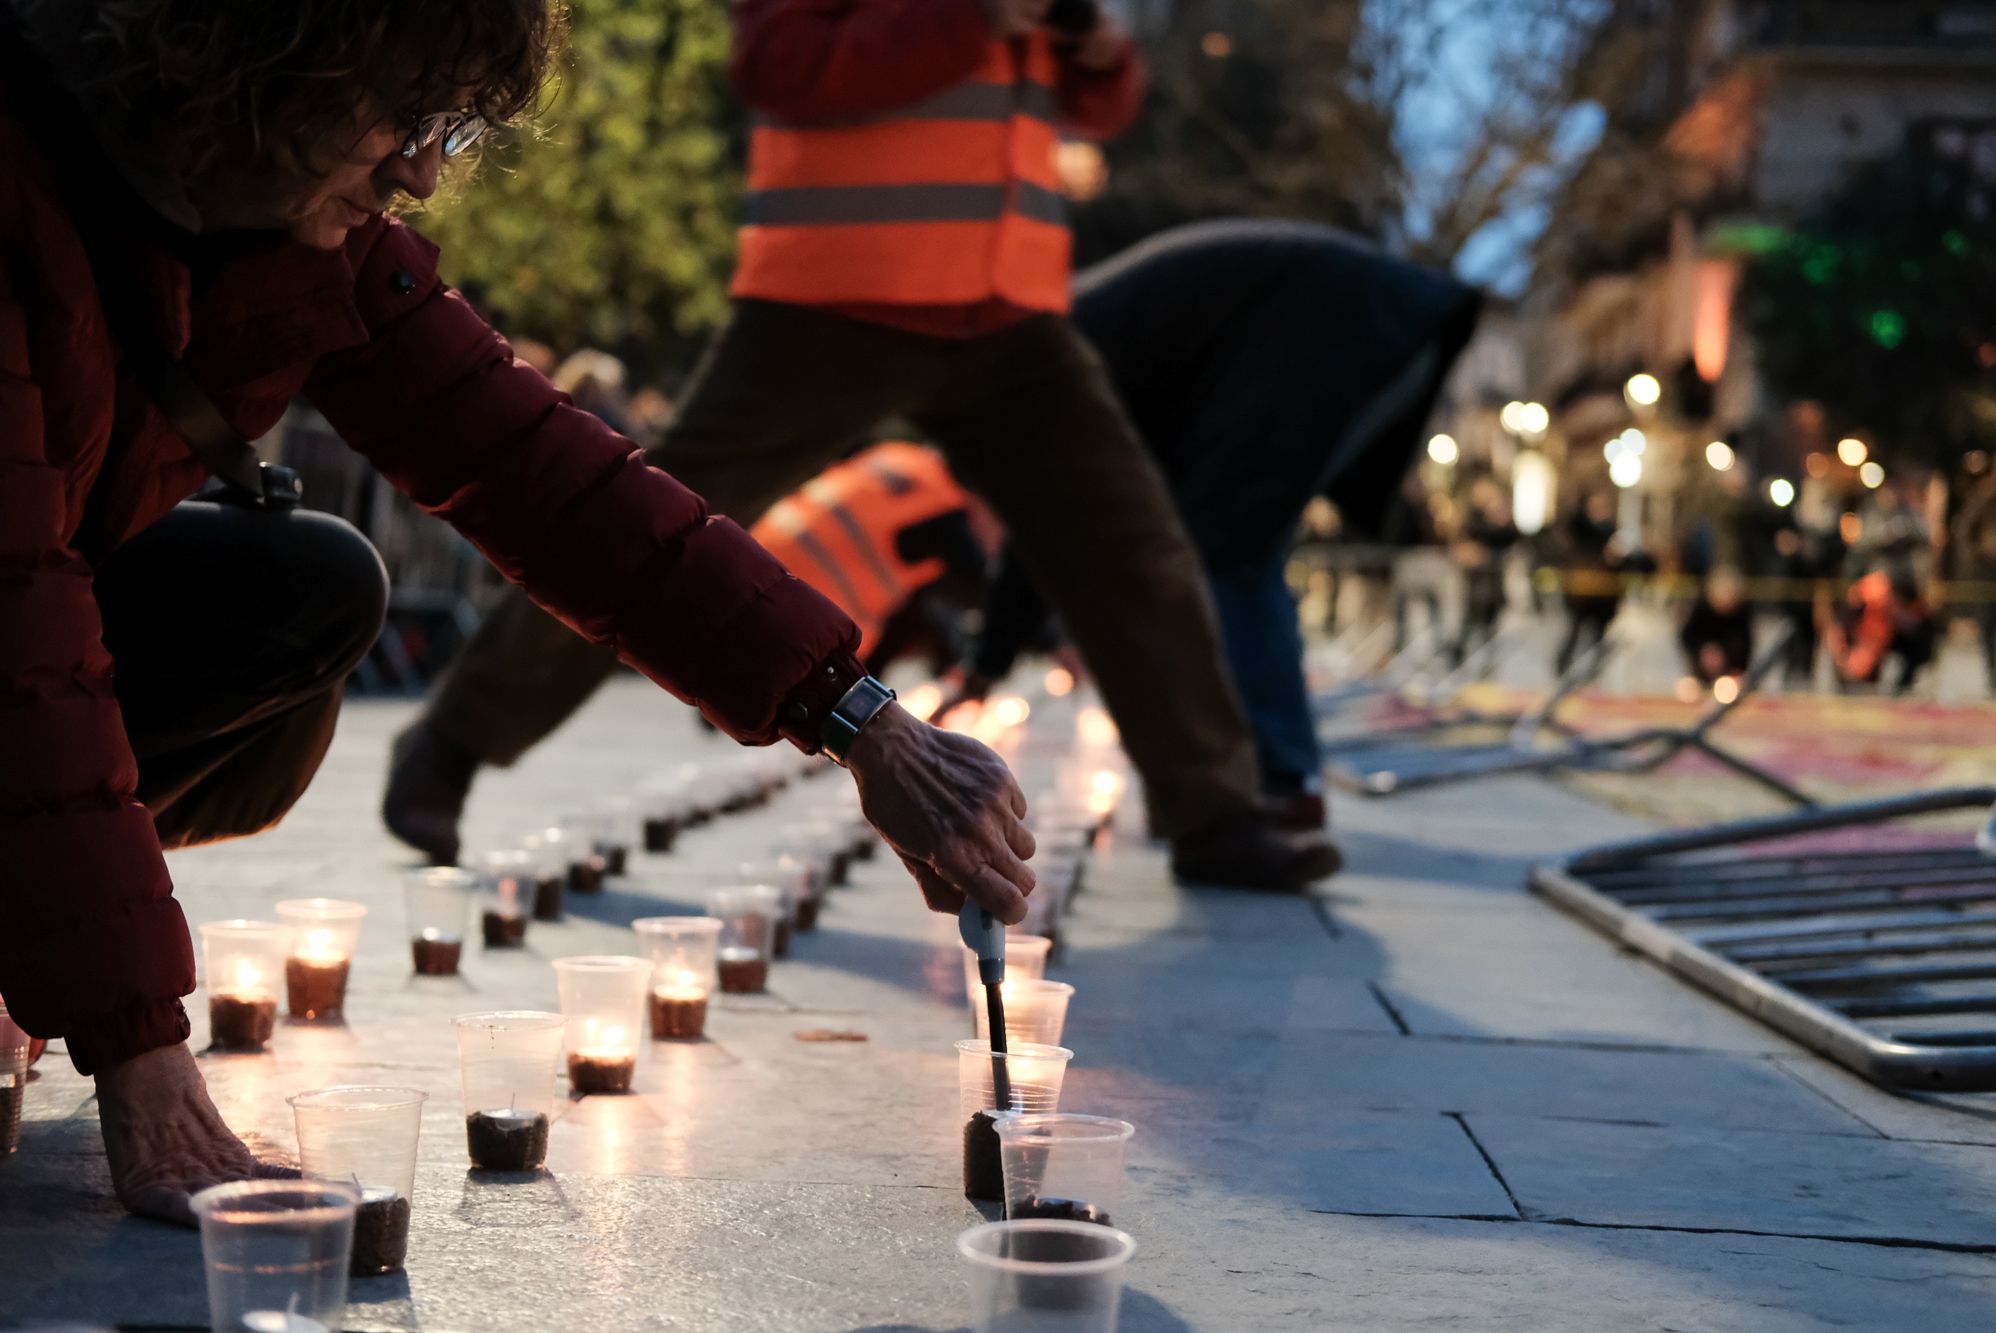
1011	711
1095	728
248	975
686	976
1060	682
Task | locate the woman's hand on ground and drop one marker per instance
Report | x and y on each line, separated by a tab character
164	1137
950	809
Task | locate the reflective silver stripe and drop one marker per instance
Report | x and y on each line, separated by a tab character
811	546
1040	204
864	544
964	101
841	205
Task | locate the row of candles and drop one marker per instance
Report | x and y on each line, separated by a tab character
1063	1168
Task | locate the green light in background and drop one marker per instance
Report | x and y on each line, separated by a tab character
1888	329
1956	244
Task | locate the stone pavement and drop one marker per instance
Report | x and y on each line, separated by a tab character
1423	1100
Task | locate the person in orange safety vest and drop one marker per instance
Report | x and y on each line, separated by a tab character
904	257
879	534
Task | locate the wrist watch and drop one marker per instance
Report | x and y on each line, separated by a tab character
849	716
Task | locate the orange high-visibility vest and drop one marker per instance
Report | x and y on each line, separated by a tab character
838	532
953	201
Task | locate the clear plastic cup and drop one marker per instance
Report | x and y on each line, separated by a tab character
748	915
277	1253
664	811
1032	1076
603	997
799	874
366	1137
507	897
14	1047
1042	919
1064	1167
440	899
1025	957
548	850
1035	1011
683	952
508	1060
324	934
1044	1277
620	833
245	964
589	839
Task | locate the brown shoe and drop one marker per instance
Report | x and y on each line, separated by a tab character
1246	852
1297	812
428	780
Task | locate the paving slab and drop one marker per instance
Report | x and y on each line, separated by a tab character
1933	1117
1763	1180
1515	974
1371	1275
1305	1069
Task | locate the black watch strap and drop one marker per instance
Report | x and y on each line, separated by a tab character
849	716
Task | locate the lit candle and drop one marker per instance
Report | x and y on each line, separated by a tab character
315	977
1095	729
679	1006
604	1061
318	947
246	982
242	1014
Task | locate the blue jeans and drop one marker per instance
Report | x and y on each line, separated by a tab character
1265	649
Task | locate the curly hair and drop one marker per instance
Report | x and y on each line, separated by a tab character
277	85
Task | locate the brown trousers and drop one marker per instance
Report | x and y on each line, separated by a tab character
1028	421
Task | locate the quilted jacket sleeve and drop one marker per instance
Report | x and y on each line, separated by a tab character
570	510
93	947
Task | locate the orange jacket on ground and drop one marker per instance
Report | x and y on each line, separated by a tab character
950	201
839	532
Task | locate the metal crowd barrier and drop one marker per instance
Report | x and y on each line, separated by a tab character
1425	647
1884	960
1438	713
1382	770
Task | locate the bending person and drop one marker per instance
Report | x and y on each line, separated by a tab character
193	203
1263	363
904	256
888	535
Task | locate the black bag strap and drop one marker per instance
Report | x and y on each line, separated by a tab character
220	446
95	195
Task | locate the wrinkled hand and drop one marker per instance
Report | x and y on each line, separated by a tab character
950	809
164	1137
1018	18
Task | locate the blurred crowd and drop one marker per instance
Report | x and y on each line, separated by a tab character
1856	595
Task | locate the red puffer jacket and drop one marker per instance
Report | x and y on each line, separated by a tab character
92	946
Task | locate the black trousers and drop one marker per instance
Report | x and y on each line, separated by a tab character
233	632
1029	421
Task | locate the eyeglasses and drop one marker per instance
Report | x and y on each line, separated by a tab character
459	130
